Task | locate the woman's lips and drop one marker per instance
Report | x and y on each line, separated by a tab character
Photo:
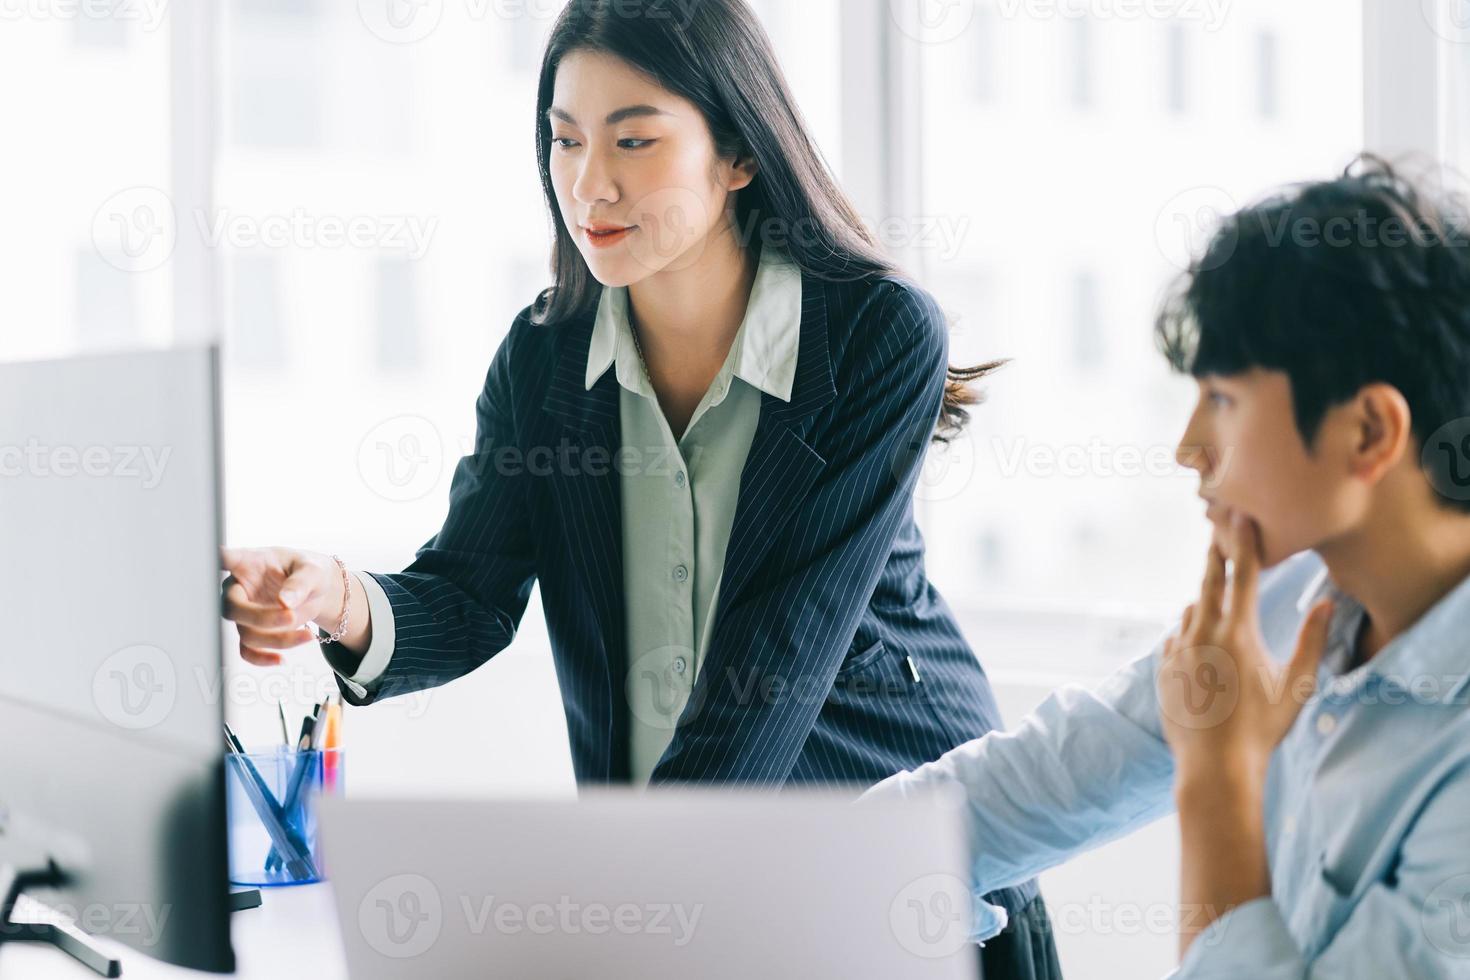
607	239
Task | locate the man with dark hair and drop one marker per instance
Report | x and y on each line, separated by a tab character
1310	724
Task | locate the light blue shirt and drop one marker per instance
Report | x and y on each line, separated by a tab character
1367	799
679	493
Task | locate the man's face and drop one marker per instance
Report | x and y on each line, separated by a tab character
1243	441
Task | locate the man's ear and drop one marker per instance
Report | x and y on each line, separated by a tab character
1383	432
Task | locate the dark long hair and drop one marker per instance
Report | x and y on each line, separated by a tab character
716	54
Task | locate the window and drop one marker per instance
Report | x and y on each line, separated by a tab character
1176	68
1066	477
1082	69
87	195
254	312
1267	95
107	315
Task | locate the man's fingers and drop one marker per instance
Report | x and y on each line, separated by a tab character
1243	587
1212	591
1311	643
1301	672
1187	622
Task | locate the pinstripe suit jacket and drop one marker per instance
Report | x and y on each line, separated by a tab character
824	602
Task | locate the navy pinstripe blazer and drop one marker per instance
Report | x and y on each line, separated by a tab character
824	601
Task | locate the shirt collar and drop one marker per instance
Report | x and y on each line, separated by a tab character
1428	659
765	347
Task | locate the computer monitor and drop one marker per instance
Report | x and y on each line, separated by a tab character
112	791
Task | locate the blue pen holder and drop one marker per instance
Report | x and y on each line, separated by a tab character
271	802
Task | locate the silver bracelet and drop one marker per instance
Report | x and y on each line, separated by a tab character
322	635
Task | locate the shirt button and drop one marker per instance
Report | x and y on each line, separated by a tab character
1326	724
680	573
680	665
679	479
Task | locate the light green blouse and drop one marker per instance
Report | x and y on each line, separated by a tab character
679	494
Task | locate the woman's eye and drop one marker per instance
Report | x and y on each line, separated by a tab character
1218	399
565	142
640	144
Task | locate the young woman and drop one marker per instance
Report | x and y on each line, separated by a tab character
702	440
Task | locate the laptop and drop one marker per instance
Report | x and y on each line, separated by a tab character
626	884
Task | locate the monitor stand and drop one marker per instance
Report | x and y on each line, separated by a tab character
15	880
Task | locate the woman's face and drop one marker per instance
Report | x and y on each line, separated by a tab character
636	174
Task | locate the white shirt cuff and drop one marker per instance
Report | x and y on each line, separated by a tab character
380	650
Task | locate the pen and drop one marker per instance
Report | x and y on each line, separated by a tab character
299	772
299	862
285	732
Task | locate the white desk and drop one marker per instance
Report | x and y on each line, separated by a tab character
292	934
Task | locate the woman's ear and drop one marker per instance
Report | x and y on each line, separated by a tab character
1384	427
741	172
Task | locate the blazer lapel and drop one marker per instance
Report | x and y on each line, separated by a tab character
781	466
590	503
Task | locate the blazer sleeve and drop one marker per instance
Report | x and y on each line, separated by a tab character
776	651
462	599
